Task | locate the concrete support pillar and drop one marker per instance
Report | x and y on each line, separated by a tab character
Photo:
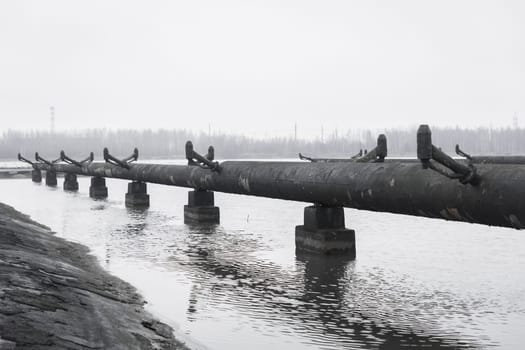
98	189
324	232
201	208
51	177
137	196
36	175
70	182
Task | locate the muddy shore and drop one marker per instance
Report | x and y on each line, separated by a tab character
55	295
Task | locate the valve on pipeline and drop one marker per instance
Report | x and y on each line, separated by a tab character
38	158
66	159
427	153
123	163
22	159
205	162
376	155
357	155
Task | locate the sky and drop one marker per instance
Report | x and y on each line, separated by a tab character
260	68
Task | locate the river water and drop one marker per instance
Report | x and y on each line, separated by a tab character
240	285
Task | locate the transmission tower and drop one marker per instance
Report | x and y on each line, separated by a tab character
52	110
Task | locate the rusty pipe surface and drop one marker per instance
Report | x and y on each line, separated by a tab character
402	188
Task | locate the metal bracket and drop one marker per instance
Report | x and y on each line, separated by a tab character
22	159
459	152
301	157
124	163
68	160
357	155
378	154
427	152
50	163
205	162
491	159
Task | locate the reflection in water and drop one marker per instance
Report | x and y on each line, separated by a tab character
315	304
326	278
131	233
239	285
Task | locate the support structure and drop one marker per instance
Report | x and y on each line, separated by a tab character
324	232
137	195
436	187
201	208
36	175
98	189
70	182
51	177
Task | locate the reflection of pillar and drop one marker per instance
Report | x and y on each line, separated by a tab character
137	195
51	177
70	182
323	275
356	321
36	175
201	208
192	303
98	189
324	232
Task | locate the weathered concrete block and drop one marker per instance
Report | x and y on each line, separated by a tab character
325	241
98	189
324	232
137	187
137	195
70	182
201	209
134	200
201	215
201	199
51	178
319	217
36	175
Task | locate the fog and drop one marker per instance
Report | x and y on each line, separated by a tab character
257	68
169	144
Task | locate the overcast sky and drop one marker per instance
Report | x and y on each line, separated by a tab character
258	67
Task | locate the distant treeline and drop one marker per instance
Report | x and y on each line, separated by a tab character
170	143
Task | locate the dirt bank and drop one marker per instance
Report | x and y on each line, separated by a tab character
54	295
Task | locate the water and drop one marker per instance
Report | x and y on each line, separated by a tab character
240	285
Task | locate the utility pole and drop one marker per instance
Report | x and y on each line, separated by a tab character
322	134
295	132
52	110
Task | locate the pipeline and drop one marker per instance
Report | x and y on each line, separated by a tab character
436	187
402	188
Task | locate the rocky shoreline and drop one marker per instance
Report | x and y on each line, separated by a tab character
55	295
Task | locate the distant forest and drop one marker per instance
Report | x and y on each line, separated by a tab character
169	144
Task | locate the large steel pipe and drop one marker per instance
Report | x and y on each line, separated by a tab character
403	188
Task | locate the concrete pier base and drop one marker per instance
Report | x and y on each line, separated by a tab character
36	175
324	232
137	195
70	182
201	208
51	178
98	189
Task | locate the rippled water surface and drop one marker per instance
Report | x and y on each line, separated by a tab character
240	285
